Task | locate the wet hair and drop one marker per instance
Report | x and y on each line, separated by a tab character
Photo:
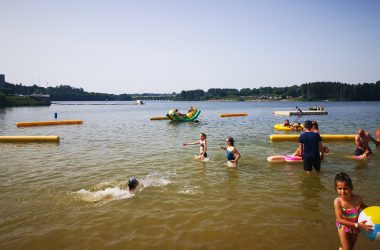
308	124
132	183
315	124
343	177
230	140
204	135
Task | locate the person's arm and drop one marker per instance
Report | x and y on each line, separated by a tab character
373	139
300	146
321	150
191	143
236	154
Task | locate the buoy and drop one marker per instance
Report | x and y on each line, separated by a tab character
155	118
230	115
325	137
27	138
48	123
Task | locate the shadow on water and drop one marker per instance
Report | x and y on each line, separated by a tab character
311	189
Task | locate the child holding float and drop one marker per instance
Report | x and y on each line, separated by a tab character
347	209
202	147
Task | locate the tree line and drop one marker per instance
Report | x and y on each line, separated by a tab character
334	91
63	93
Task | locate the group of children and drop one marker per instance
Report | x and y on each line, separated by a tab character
232	153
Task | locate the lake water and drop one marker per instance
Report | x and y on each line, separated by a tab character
73	194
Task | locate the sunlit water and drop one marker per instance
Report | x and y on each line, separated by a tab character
74	194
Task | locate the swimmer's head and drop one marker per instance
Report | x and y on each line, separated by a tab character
203	135
343	177
308	124
230	140
315	124
132	183
360	132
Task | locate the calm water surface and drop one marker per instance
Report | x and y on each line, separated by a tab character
73	194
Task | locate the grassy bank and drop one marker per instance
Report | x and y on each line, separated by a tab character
17	101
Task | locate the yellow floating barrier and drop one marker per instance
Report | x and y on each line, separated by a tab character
230	115
29	138
48	123
325	137
156	118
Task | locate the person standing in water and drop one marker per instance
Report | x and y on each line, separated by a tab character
361	143
347	209
310	149
202	146
299	111
232	153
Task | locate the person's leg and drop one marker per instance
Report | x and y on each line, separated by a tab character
308	164
344	240
317	163
352	238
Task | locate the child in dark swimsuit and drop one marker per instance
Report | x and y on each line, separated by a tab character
202	146
347	209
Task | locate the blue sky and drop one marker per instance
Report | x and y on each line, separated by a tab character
161	46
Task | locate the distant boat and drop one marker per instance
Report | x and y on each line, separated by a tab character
316	108
139	102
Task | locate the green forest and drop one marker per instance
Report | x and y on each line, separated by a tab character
333	91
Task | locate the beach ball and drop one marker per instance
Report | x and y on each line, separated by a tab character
372	216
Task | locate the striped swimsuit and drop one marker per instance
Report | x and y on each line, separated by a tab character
350	214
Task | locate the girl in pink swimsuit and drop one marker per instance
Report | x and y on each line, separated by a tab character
347	209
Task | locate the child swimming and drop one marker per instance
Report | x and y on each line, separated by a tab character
132	184
231	152
347	209
202	146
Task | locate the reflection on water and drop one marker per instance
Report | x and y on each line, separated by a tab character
311	188
74	194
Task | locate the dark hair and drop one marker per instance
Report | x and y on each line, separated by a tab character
308	124
315	124
204	135
343	177
132	183
230	140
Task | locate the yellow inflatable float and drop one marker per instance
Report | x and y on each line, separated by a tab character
325	137
157	118
28	138
48	123
288	128
231	115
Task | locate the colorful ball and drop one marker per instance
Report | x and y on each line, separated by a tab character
372	216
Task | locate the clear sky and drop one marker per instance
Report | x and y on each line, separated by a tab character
158	46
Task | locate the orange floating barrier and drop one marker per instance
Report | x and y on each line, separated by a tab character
156	118
29	138
48	123
230	115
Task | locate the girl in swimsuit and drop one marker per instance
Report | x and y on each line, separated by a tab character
202	146
231	152
347	209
